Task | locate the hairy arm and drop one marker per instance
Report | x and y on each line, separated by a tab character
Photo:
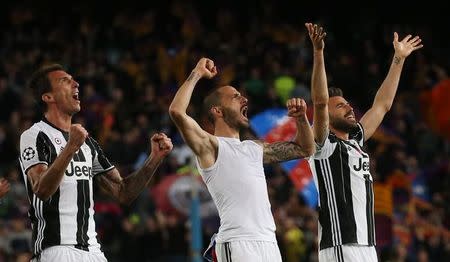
126	190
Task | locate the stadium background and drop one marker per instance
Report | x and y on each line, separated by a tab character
129	60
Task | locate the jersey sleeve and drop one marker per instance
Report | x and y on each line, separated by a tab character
100	163
34	149
358	134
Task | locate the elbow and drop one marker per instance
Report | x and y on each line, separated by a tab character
125	200
42	193
175	113
387	107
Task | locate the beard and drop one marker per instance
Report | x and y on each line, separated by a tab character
231	118
342	124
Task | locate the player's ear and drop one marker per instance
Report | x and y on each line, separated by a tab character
217	111
48	98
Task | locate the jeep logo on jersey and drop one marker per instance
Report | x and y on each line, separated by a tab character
361	165
78	170
28	153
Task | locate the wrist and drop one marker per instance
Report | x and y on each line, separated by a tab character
195	75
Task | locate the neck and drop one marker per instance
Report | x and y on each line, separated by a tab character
341	134
59	119
224	130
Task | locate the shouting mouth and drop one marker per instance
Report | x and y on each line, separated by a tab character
244	111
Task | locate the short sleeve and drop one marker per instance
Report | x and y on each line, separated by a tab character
34	149
100	163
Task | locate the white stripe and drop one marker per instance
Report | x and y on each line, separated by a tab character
331	207
328	168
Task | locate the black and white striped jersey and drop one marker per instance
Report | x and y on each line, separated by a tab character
341	173
67	217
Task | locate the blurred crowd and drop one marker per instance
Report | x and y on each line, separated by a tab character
129	62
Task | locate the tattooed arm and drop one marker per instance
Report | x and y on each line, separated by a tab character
386	94
125	190
303	143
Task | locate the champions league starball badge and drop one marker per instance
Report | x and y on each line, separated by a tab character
28	153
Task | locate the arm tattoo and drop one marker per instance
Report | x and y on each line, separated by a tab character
397	60
281	151
191	76
136	182
127	189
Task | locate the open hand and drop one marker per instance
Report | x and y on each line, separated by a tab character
316	34
407	45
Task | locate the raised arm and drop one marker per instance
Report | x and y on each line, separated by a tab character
197	139
319	85
45	180
386	93
125	190
303	143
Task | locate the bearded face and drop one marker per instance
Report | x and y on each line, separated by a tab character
341	113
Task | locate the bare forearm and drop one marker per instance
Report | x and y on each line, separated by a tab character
319	86
386	94
183	96
133	185
304	137
50	180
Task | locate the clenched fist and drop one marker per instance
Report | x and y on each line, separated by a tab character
77	136
161	145
206	68
296	107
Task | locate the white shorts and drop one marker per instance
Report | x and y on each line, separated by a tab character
70	254
349	253
245	251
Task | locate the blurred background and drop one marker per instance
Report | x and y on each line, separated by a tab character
130	59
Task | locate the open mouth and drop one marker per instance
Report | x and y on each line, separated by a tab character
350	116
76	96
244	111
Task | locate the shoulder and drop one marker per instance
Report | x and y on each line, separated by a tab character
31	132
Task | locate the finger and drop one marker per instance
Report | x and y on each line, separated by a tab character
320	30
406	38
416	42
297	103
418	47
395	37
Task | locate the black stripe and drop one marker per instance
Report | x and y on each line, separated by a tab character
92	147
45	149
102	159
83	204
50	210
334	217
341	253
229	251
369	211
339	164
324	212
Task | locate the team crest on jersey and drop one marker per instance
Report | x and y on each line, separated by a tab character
57	141
28	153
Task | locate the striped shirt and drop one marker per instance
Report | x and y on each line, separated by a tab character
67	217
341	173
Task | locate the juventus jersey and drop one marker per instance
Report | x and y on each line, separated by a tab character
67	217
341	173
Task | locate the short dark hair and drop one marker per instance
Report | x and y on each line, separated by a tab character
335	91
212	99
40	83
